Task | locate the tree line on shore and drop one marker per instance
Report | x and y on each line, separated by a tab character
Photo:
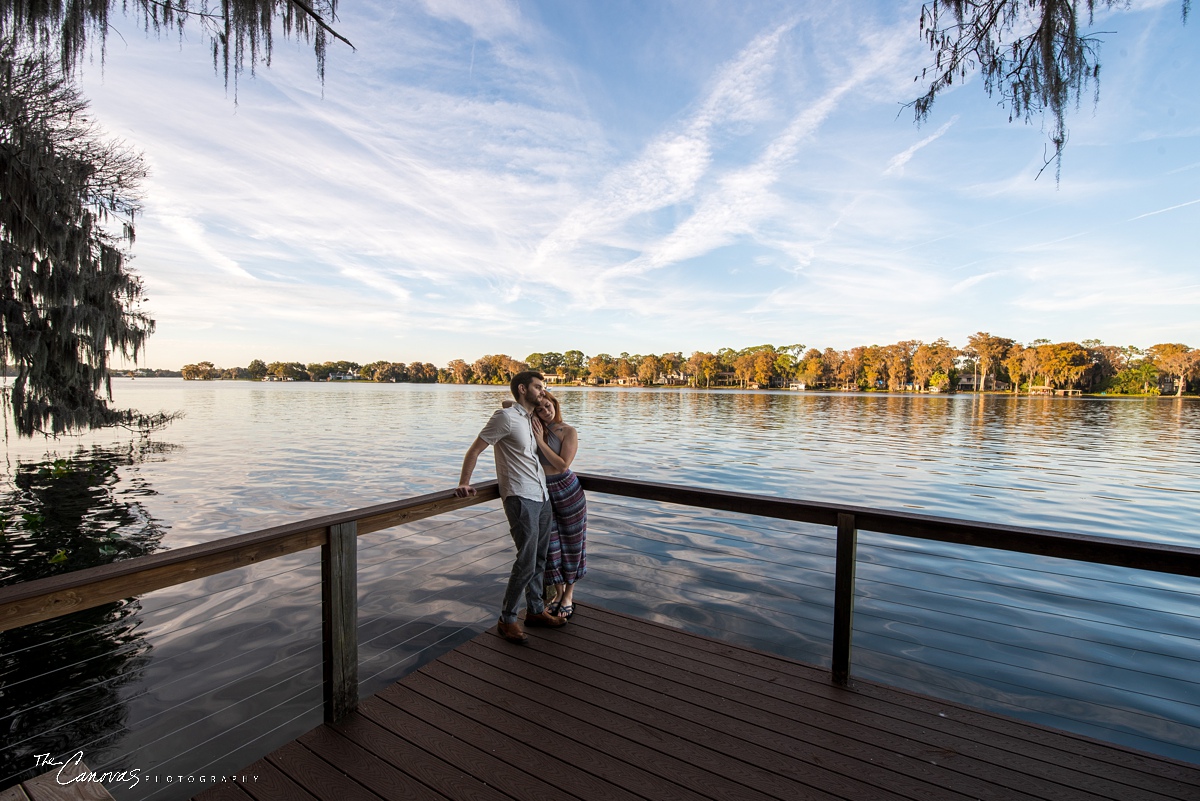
985	362
258	370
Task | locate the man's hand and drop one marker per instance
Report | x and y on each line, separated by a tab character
464	488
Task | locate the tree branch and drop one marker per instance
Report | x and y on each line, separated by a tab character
311	12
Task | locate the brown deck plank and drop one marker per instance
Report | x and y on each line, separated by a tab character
772	741
391	747
622	709
1032	778
694	764
484	775
1008	740
309	770
265	782
578	744
810	763
224	792
366	768
575	770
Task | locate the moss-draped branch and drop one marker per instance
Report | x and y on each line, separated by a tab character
68	299
1032	53
239	32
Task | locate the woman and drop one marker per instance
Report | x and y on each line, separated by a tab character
566	561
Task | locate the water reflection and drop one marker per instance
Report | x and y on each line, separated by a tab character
259	455
61	680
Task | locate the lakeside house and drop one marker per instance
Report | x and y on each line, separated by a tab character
1043	389
967	383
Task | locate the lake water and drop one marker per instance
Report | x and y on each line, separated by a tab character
947	621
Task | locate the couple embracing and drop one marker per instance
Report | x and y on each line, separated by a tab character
544	503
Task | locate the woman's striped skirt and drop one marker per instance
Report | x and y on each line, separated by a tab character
566	561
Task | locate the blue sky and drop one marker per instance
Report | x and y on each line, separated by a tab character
506	177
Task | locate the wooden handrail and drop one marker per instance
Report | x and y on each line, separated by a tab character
44	599
1178	559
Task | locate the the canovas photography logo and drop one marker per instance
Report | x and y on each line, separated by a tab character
73	770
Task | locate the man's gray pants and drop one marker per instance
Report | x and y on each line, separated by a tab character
529	526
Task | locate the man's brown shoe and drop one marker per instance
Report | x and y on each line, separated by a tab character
544	619
511	631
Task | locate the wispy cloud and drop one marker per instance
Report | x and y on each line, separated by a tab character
191	234
898	161
1164	211
669	169
486	18
973	280
734	202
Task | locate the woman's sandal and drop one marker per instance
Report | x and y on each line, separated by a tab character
565	611
552	608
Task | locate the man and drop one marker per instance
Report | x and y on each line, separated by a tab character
526	502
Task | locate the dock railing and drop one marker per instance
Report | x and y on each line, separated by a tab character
336	536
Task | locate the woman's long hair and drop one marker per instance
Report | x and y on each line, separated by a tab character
554	403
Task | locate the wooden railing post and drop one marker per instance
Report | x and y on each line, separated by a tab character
339	620
843	597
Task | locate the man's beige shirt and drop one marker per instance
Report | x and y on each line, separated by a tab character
518	470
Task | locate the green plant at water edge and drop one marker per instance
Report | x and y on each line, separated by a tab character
1140	378
68	514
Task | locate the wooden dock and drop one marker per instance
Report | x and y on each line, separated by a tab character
615	707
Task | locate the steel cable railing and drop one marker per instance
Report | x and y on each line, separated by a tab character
415	647
173	632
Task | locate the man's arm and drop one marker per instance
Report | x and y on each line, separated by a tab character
464	488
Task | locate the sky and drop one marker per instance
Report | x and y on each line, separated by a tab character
516	176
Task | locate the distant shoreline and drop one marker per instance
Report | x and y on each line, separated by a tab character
664	387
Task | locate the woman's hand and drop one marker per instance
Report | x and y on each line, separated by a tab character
539	432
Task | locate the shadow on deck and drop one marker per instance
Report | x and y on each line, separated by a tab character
615	707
